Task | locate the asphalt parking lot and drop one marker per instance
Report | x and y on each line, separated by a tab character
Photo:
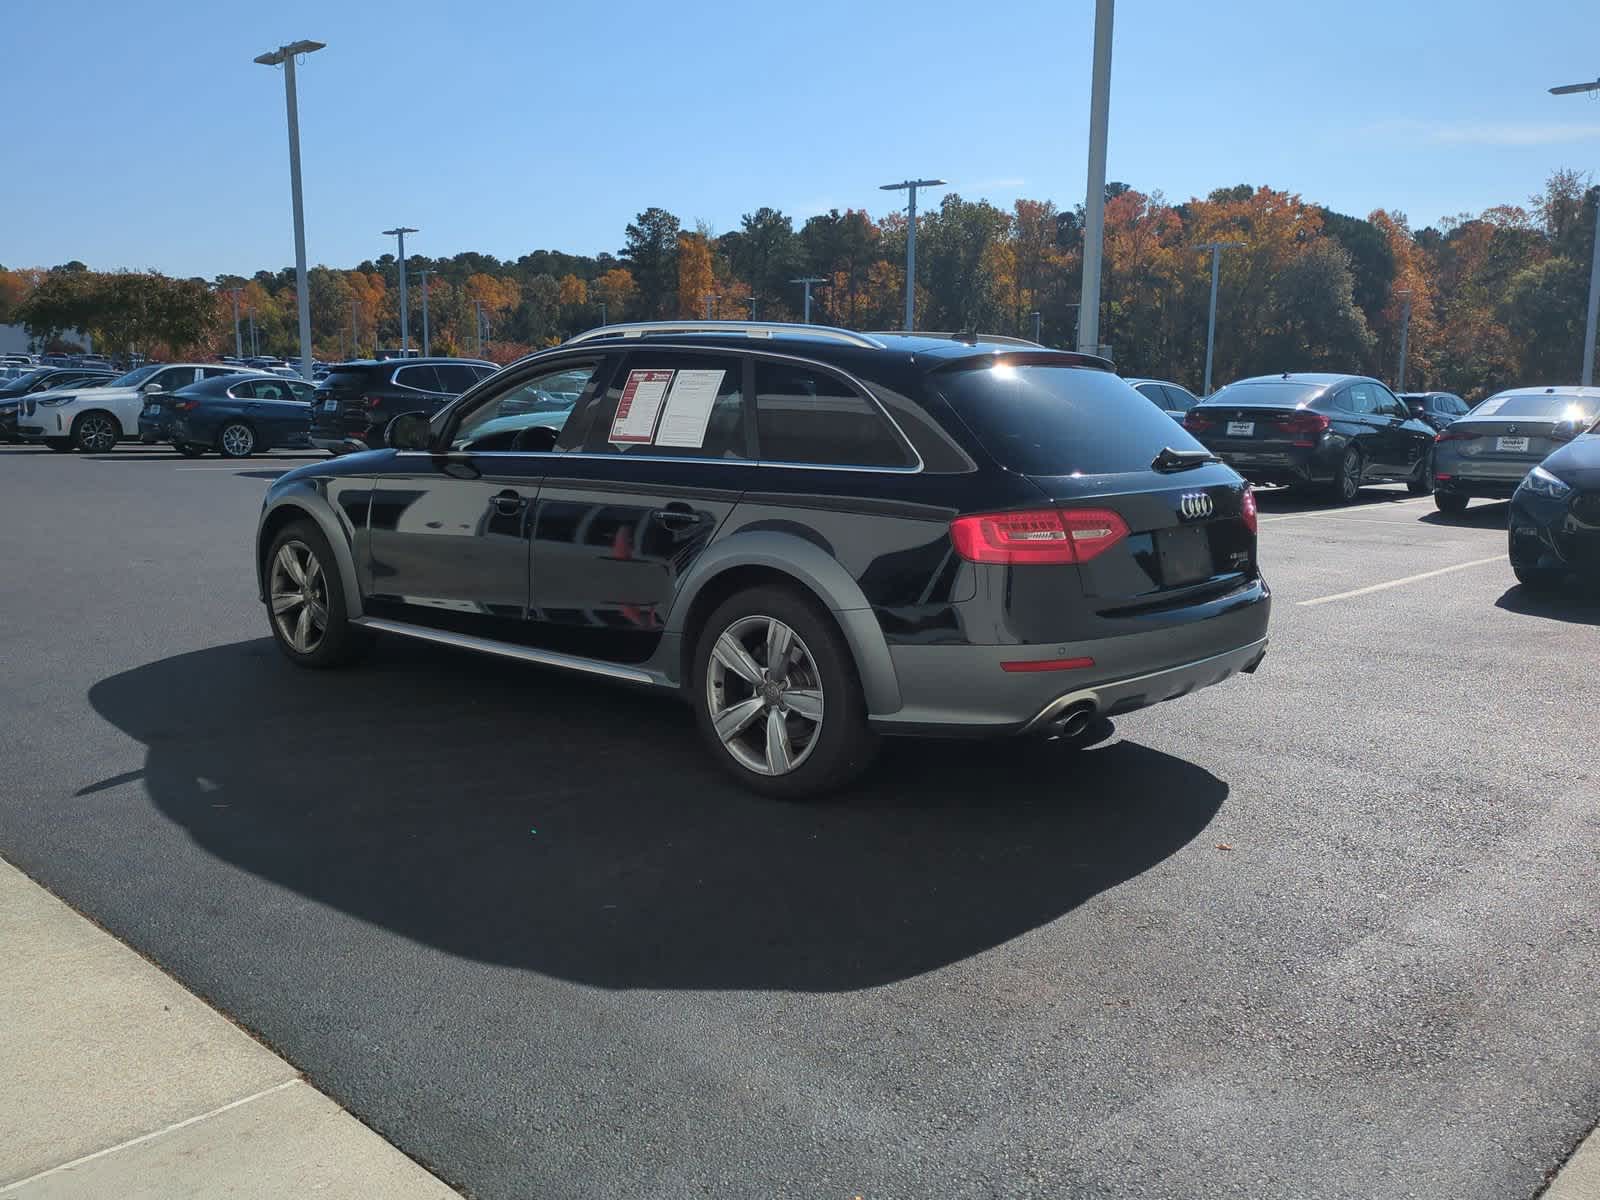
1326	931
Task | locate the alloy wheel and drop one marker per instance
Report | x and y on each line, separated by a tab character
238	441
96	433
297	590
1350	477
764	693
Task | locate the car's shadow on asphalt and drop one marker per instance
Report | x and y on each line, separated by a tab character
1571	604
1276	500
550	823
1477	516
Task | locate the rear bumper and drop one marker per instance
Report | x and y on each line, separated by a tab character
956	691
1466	476
1299	465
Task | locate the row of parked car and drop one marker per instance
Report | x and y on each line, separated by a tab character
230	408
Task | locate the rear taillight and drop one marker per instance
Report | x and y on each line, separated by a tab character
1196	422
186	405
372	401
1446	435
1247	508
1304	427
1046	535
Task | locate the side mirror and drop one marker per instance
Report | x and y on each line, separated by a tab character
409	431
150	389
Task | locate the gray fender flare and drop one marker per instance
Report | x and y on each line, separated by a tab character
307	501
819	571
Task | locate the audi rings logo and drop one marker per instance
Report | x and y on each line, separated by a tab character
1195	506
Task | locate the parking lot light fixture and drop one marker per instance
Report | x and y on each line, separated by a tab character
807	281
910	186
284	56
1216	249
1094	220
400	231
238	338
1405	333
426	344
1587	373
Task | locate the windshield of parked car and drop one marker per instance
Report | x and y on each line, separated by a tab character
1544	406
33	377
134	378
1284	394
1062	420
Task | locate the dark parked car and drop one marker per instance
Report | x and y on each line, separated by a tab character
237	415
813	536
1437	409
1489	451
1555	517
357	400
1308	430
1171	399
41	379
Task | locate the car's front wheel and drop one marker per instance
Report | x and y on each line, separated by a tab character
777	695
306	602
237	440
95	433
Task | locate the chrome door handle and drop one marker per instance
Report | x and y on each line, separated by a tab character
509	504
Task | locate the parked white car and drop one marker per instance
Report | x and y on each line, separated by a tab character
96	419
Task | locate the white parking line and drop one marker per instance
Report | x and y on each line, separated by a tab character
1379	587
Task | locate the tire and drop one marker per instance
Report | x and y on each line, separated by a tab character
838	745
1347	478
189	449
236	440
338	642
1422	485
96	432
59	445
1453	503
1536	579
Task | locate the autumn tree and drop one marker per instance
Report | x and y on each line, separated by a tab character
617	291
650	253
696	280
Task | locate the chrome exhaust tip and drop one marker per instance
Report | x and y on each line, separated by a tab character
1076	720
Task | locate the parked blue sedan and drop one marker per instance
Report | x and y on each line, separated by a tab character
236	415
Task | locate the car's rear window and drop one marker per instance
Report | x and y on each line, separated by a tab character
1045	420
1275	395
344	380
1548	407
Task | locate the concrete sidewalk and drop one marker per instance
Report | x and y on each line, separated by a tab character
115	1081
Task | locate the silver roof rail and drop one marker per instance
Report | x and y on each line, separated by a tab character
993	339
755	329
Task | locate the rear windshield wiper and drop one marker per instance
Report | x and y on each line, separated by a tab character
1170	460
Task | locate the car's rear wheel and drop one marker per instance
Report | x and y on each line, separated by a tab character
189	449
95	432
1453	503
1347	479
306	602
1538	579
777	695
237	440
1423	483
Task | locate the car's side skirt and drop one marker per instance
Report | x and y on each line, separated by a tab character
530	654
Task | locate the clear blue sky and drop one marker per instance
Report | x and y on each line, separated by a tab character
149	138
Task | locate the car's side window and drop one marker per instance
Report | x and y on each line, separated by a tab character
1152	393
1362	399
270	389
420	378
174	378
667	405
527	416
301	391
805	414
213	372
245	389
1387	403
455	377
1179	400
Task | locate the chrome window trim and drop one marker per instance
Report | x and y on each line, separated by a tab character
721	462
394	379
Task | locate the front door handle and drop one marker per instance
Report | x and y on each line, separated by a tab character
509	504
677	516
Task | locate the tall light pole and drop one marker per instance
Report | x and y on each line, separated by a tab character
426	343
1038	321
808	281
710	299
1405	333
477	309
1216	249
284	56
602	304
238	339
910	186
1094	223
400	231
1594	268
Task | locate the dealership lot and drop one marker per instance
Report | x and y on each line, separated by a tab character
1325	931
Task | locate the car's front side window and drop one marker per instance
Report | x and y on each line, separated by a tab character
526	416
174	378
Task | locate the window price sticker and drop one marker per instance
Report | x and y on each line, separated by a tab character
640	406
689	409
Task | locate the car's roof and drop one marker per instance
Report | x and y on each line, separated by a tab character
1582	393
1309	378
406	362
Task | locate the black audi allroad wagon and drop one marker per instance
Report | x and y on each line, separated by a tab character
814	536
